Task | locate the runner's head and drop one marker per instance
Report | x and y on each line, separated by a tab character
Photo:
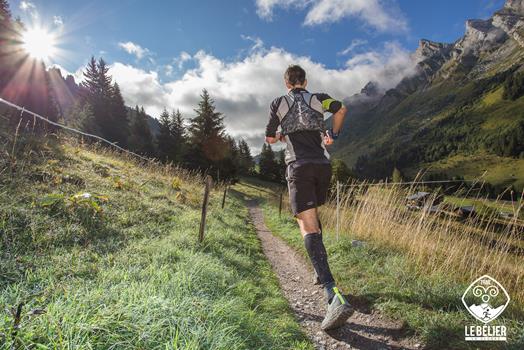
295	77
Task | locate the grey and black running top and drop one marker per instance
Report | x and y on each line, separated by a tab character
300	115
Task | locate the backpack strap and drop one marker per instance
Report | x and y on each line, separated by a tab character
285	104
314	103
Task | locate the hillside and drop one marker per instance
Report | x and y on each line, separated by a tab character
98	250
465	102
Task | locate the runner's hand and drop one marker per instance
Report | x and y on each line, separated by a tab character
278	137
328	141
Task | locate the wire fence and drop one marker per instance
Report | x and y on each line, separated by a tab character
385	183
65	127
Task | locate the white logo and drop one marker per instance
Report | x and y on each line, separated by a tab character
485	299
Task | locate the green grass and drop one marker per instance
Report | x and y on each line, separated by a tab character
133	277
429	305
495	170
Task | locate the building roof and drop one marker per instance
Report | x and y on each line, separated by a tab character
418	195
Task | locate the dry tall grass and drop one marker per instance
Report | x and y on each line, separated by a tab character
443	243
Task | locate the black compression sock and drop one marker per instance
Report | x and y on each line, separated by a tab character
318	256
329	292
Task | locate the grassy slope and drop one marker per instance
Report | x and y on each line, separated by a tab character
386	280
497	114
487	115
134	278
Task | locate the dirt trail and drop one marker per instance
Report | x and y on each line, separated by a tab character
364	330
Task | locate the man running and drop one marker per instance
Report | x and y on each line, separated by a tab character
300	115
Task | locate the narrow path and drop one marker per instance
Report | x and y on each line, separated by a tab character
364	330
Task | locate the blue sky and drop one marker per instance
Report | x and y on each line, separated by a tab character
166	51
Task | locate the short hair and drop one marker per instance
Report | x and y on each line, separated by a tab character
295	75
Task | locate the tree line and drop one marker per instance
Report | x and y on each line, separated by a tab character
201	143
97	106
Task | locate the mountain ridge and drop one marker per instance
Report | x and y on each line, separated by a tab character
456	103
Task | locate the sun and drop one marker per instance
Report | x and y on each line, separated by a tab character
39	43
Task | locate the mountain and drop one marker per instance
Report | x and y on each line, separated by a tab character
460	114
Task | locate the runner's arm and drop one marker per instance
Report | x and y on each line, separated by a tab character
274	121
338	119
335	107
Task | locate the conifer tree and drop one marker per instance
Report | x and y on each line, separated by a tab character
246	162
229	165
5	12
140	136
119	119
178	134
90	83
206	132
106	102
281	162
268	164
165	140
5	29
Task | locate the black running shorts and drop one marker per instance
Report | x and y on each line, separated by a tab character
308	185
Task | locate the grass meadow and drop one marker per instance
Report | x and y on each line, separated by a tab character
413	266
98	251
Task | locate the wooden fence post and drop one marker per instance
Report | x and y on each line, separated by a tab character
209	183
280	205
338	209
224	197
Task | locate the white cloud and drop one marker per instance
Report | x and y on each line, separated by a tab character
181	59
168	70
258	44
58	21
134	49
265	7
354	44
372	12
26	5
243	89
140	87
30	8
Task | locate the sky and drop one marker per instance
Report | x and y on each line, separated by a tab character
163	53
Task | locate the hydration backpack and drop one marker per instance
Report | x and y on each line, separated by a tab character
300	111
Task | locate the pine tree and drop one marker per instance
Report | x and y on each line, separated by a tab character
178	134
165	141
268	164
246	162
106	102
5	30
140	136
119	119
228	167
90	83
207	134
281	162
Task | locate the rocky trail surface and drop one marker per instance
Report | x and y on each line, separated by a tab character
366	329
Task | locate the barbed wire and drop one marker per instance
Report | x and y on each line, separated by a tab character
24	110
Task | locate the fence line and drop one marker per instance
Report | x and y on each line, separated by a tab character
406	183
24	110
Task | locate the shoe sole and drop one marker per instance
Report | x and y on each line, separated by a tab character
342	313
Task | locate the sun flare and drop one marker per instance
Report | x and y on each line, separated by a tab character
39	43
